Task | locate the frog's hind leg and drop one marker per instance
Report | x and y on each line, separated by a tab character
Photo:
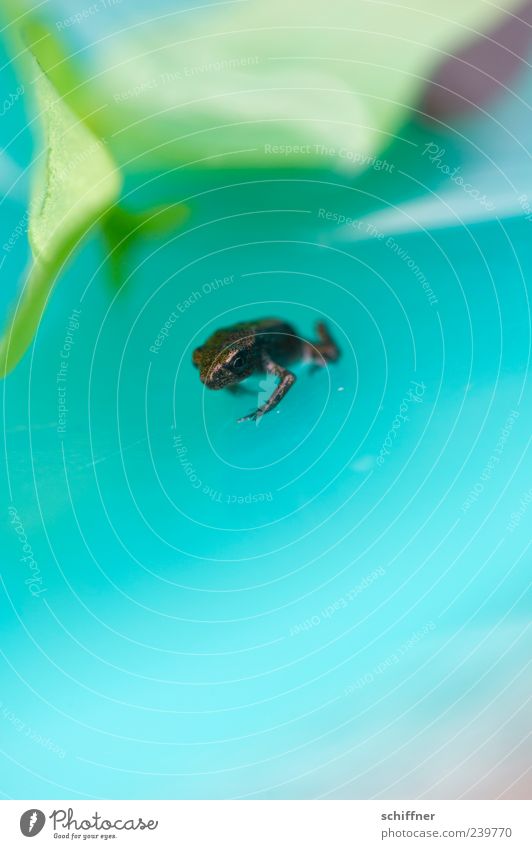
322	352
286	378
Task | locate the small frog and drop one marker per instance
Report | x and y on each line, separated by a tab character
266	345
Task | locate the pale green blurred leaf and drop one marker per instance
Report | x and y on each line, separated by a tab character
77	181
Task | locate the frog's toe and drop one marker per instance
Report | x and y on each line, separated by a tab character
251	417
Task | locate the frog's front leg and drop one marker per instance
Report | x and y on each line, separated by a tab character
287	379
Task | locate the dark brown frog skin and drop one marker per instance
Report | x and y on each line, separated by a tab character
267	345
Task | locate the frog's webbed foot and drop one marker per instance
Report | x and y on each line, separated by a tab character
287	379
322	352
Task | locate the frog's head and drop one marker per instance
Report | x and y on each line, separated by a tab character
219	369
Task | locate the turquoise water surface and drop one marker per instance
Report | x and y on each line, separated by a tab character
330	602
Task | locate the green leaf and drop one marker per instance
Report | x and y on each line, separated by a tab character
311	84
77	181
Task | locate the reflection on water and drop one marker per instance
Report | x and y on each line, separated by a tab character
315	605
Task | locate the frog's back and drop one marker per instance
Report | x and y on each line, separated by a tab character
250	331
271	335
264	325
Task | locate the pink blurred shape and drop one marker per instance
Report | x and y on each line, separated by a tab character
483	69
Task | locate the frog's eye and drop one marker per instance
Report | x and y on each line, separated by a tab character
237	365
196	356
